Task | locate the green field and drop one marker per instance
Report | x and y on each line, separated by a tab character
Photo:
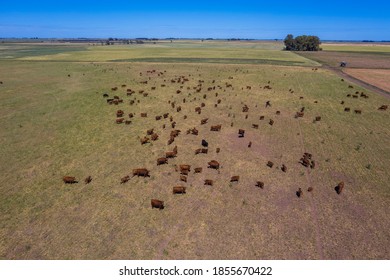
55	122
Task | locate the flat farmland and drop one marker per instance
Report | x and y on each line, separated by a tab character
55	122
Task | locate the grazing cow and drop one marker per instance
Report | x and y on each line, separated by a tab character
342	102
255	126
178	109
208	182
179	190
154	136
299	114
271	122
310	189
339	188
284	168
261	117
162	160
88	180
347	109
141	172
312	164
69	180
317	119
204	121
205	143
185	167
204	151
299	192
268	104
241	132
119	113
198	170
213	164
144	115
250	144
150	131
245	109
131	115
270	164
215	127
358	111
158	118
217	150
260	184
277	112
202	104
234	178
165	115
175	133
157	204
105	95
170	154
119	120
171	139
144	140
383	107
125	179
198	151
183	178
198	109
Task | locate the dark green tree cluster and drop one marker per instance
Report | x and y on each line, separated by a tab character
302	43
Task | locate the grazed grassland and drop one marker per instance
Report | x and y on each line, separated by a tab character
55	122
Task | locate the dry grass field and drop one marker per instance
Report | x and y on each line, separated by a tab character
55	122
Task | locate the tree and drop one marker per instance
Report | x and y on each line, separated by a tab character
302	43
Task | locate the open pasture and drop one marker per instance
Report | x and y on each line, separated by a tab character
55	122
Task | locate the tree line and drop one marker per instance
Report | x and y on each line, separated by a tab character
302	43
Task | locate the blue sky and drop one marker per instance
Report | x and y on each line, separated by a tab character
328	19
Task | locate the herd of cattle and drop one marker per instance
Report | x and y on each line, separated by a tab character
184	169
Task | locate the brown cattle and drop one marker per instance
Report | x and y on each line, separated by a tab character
310	189
141	172
175	133
170	154
255	126
383	107
270	164
179	190
184	167
241	133
154	136
144	115
217	150
299	114
165	115
198	151
198	170
208	182
234	178
127	122
183	178
271	122
171	139
268	103
312	164
69	180
150	131
125	179
261	117
204	151
158	118
144	140
284	168
204	121
339	188
317	119
119	113
162	160
215	127
119	120
277	112
346	109
250	144
213	164
358	111
260	184
157	204
299	192
88	180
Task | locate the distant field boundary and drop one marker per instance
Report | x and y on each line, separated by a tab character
212	60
